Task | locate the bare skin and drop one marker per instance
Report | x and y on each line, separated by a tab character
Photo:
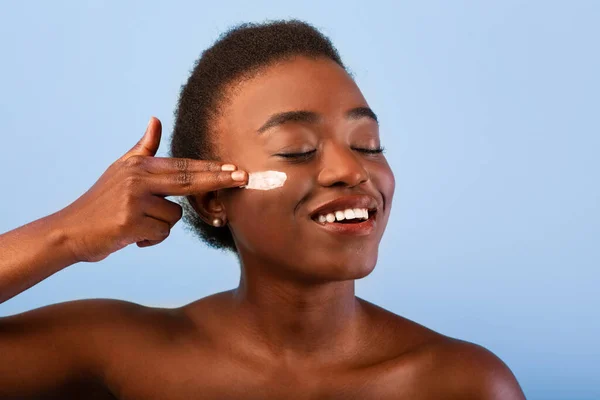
293	328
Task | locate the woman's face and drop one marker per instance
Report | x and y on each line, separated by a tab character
280	228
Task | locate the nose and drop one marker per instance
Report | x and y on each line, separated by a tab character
341	166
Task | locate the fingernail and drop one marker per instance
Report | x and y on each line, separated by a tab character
149	122
228	167
238	175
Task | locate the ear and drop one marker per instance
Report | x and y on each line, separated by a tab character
208	206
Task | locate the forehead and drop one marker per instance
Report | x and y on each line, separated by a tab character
301	83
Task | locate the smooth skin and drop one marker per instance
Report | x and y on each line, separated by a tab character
293	328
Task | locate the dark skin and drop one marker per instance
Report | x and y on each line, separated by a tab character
293	329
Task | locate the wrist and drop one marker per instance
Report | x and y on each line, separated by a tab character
61	238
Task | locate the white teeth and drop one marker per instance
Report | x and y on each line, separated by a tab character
350	213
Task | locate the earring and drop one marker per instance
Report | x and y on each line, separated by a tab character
218	222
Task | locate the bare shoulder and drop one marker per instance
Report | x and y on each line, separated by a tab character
97	332
441	365
467	370
80	314
66	347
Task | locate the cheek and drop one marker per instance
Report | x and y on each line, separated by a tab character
259	218
280	201
385	182
257	204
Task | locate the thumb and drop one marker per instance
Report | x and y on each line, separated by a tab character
148	144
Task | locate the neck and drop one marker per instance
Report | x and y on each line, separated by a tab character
295	319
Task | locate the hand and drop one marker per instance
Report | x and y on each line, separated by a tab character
127	205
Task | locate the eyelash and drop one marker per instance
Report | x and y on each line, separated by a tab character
378	150
308	154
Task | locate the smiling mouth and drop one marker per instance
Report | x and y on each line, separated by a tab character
347	217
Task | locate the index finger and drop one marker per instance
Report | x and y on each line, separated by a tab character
193	182
165	165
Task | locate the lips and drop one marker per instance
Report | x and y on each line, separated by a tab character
344	203
360	229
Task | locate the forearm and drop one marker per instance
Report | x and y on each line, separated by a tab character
31	253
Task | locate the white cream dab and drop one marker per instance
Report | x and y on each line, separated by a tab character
265	180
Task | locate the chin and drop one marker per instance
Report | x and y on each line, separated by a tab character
346	269
360	271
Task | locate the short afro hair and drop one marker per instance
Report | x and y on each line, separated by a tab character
238	54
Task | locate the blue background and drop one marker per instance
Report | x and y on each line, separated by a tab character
490	112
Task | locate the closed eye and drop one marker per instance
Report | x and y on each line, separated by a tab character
378	150
298	156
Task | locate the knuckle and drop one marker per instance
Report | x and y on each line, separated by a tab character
212	166
132	181
130	204
122	222
183	178
179	212
222	177
182	164
175	212
164	229
134	161
172	222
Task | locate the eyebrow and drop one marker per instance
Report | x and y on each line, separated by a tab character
312	117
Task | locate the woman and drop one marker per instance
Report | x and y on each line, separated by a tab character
270	97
